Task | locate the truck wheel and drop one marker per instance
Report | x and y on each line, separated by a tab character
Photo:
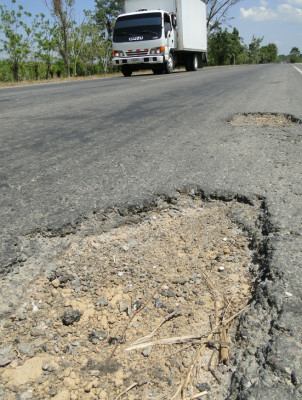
192	63
126	70
169	65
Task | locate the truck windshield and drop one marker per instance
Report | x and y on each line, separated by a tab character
131	28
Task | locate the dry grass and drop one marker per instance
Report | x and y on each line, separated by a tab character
56	80
64	80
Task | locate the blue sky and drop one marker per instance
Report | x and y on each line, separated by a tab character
278	21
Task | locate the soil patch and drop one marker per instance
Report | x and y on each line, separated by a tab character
264	119
145	311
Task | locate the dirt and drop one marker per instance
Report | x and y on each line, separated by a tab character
264	119
144	311
65	79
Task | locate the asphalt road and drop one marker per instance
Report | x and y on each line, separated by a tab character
69	149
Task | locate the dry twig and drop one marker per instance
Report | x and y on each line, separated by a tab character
229	320
185	381
198	395
148	337
165	341
224	347
127	390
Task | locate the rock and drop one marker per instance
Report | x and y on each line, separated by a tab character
26	348
147	351
71	316
167	293
64	279
50	366
97	336
4	310
5	351
159	304
56	283
26	395
36	332
103	302
64	395
50	269
203	387
179	281
5	361
125	307
137	305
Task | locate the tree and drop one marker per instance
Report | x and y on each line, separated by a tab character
236	46
218	47
106	12
63	11
91	46
80	35
46	43
294	55
225	47
16	35
217	11
254	50
269	53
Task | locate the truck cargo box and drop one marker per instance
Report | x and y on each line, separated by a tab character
191	19
191	25
131	6
161	35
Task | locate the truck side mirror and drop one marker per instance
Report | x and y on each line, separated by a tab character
174	21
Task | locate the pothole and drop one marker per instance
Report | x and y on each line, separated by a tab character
265	119
144	311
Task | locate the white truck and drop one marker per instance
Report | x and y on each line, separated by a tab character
160	35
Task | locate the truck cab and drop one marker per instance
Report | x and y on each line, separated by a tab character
145	39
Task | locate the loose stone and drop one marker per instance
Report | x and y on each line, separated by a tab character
71	316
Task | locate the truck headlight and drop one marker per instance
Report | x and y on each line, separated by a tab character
158	50
117	53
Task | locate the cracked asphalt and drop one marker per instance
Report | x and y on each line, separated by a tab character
69	150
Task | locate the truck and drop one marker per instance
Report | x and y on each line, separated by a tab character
160	35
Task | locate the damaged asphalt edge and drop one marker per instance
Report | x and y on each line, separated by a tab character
253	372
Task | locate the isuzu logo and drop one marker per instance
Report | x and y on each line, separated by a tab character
133	38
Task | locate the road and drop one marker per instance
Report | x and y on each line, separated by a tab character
70	149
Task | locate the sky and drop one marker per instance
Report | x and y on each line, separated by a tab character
277	21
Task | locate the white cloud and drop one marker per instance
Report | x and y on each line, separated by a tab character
293	2
258	14
287	11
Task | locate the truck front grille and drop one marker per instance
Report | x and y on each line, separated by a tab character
136	53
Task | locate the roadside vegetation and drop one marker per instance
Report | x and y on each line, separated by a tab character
38	47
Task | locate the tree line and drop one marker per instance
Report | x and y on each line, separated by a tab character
37	47
225	48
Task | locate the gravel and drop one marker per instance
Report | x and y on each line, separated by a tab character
143	281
